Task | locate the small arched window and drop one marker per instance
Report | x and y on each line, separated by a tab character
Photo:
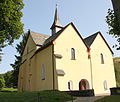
72	53
105	85
70	85
102	58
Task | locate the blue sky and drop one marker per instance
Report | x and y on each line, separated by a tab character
87	15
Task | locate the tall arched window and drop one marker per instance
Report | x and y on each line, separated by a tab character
72	53
43	72
70	85
102	58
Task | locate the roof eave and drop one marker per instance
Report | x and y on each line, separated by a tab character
80	35
42	48
106	43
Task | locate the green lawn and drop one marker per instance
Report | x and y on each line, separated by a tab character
8	90
113	98
44	96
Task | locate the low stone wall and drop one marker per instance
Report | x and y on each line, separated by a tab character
82	93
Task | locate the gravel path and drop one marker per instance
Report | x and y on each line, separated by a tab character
87	99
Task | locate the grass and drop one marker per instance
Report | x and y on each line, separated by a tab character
42	96
113	98
8	90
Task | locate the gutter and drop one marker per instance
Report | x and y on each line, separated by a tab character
91	70
53	66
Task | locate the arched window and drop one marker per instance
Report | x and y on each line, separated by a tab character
102	58
70	85
43	72
72	53
105	85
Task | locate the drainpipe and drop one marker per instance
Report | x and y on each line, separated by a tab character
53	66
89	56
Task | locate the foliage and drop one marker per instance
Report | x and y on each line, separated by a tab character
1	56
113	98
10	21
114	26
2	82
42	96
18	60
117	70
8	79
15	73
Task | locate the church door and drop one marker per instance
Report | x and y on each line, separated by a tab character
83	84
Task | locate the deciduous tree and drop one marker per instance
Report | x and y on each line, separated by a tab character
10	21
114	27
2	82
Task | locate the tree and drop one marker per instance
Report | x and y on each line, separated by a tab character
1	56
10	21
2	82
8	79
114	27
16	65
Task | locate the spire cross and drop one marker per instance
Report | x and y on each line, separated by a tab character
56	5
56	26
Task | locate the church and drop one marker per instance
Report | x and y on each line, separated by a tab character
67	62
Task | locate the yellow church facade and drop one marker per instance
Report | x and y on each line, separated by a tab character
65	61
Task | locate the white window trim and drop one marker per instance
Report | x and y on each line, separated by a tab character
70	85
105	85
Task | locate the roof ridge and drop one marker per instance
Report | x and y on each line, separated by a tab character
39	33
38	38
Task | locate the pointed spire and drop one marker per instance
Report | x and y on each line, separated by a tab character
56	26
56	19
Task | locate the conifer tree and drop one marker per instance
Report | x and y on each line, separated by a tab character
18	60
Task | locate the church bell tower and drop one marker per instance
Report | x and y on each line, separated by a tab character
56	26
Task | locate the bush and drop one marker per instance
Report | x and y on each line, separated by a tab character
117	70
2	83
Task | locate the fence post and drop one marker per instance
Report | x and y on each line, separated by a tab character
72	98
